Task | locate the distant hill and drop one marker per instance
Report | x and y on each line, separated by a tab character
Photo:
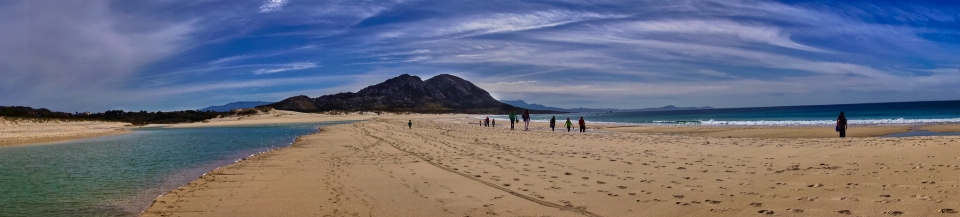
522	104
405	93
235	105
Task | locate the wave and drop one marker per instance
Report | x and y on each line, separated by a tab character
896	121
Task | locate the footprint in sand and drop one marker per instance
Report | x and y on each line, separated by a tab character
893	213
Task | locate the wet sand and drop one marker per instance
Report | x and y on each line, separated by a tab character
763	131
446	167
942	128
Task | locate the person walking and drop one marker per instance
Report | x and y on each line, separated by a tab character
553	123
583	125
410	124
526	119
513	118
486	122
493	122
842	125
568	124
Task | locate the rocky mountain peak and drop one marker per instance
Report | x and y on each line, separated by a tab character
441	93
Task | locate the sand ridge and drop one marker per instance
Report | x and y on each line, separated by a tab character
34	131
444	168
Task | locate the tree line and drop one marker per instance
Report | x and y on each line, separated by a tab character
132	117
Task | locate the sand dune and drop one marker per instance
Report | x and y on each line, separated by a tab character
273	117
32	131
449	168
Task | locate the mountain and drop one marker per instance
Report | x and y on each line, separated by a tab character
406	93
234	105
522	104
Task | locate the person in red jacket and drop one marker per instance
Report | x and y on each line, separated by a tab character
583	125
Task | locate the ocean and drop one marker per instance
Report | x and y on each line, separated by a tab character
896	113
121	175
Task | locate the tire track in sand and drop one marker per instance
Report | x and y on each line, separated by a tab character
571	208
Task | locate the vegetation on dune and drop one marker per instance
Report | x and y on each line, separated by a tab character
132	117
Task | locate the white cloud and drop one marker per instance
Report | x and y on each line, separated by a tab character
417	59
483	24
287	67
230	59
704	29
61	54
272	5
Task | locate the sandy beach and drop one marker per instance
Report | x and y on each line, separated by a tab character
446	167
33	131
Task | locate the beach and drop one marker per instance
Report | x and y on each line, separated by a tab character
451	166
34	131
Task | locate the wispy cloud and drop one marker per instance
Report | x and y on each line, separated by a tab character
272	5
606	52
231	59
286	67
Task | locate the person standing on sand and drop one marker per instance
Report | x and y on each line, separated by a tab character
569	124
583	125
486	122
513	118
410	124
553	123
493	122
526	119
842	125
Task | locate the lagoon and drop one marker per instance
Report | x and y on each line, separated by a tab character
121	175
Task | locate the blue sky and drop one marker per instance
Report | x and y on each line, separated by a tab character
187	54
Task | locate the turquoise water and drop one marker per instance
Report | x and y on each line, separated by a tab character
121	175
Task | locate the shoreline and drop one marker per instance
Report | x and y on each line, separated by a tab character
19	132
52	140
749	131
342	182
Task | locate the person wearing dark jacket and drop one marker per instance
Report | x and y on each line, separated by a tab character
553	123
526	119
583	125
842	125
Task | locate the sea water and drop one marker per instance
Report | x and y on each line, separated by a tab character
857	114
121	175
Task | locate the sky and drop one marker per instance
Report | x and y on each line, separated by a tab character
95	55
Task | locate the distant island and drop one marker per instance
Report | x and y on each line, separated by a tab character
406	93
235	105
522	104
